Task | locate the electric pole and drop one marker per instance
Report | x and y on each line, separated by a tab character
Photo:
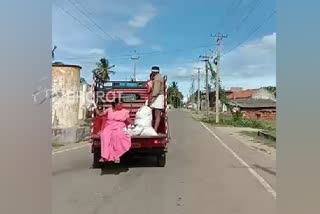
134	58
219	38
192	92
206	59
198	92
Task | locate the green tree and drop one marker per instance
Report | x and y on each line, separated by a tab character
222	92
103	69
175	97
52	52
57	63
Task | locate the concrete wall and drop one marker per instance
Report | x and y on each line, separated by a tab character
65	91
263	94
84	101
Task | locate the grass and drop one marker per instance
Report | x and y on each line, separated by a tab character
237	121
259	139
271	132
56	145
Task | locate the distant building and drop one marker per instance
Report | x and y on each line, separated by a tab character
254	103
255	108
251	93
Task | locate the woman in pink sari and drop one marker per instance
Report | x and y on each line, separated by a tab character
149	86
114	140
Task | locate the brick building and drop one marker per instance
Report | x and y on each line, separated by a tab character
260	109
254	103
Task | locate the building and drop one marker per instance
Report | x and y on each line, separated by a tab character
260	93
260	109
84	99
65	100
254	103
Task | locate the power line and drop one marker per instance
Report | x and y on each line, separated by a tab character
154	53
253	32
233	6
77	20
83	6
254	5
98	26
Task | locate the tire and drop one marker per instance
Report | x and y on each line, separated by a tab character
96	164
161	160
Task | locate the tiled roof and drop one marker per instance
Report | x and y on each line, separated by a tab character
253	103
245	94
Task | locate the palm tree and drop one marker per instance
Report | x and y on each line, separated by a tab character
52	52
103	69
175	96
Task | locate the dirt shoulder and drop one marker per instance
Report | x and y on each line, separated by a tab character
247	136
254	142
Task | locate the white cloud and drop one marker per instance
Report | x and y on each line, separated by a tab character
112	18
253	64
74	40
97	51
145	15
132	40
156	48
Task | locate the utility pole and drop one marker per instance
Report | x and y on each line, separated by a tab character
134	58
206	59
198	94
192	92
219	38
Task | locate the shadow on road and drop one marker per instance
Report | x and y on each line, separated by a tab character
125	166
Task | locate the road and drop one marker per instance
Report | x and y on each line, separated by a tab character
203	175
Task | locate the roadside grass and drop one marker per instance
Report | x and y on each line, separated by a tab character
237	121
259	139
56	145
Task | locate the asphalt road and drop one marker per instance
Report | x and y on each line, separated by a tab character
203	175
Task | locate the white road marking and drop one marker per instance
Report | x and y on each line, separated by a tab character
263	182
69	149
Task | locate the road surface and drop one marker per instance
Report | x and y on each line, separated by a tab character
203	175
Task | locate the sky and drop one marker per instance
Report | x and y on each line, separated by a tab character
170	34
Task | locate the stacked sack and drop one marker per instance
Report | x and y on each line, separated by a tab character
143	123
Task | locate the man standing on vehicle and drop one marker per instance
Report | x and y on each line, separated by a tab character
157	103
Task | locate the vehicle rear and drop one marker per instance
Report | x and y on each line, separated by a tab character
134	95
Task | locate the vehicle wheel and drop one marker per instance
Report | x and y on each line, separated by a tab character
96	159
161	160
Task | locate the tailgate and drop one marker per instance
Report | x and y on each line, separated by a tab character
158	141
160	136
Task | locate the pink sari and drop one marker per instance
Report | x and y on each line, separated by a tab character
114	141
149	86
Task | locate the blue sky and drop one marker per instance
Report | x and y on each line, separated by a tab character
171	34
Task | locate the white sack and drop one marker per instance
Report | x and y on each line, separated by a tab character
144	117
149	131
143	122
135	131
